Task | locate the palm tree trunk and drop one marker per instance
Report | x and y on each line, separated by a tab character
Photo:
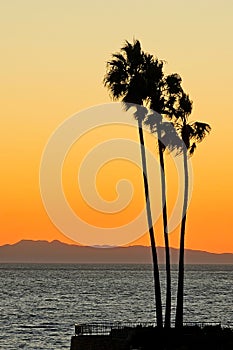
158	302
180	290
165	231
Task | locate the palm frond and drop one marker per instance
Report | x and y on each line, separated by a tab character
170	137
201	130
187	132
152	120
119	57
192	149
185	106
173	83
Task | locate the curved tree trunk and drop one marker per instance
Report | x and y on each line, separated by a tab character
180	290
158	302
165	232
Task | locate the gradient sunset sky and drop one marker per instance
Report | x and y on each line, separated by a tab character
53	60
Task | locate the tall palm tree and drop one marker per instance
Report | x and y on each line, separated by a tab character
164	92
127	80
191	134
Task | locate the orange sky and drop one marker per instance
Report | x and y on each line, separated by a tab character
53	62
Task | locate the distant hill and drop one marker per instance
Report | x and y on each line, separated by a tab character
56	252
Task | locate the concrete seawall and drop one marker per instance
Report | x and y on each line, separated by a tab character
98	342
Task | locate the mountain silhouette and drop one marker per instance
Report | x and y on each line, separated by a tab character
27	251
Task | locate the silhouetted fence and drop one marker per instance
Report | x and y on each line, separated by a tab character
105	328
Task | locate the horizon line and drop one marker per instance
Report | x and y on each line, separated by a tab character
105	246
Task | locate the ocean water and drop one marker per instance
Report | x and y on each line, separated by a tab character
40	303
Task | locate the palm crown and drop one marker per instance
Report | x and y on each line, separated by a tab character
193	132
132	73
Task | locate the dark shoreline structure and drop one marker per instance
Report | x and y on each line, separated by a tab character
147	337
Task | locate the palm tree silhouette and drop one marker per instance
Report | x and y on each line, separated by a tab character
164	92
191	134
127	79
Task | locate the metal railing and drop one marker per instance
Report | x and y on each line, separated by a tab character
105	328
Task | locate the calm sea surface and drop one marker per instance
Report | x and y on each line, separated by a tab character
40	303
